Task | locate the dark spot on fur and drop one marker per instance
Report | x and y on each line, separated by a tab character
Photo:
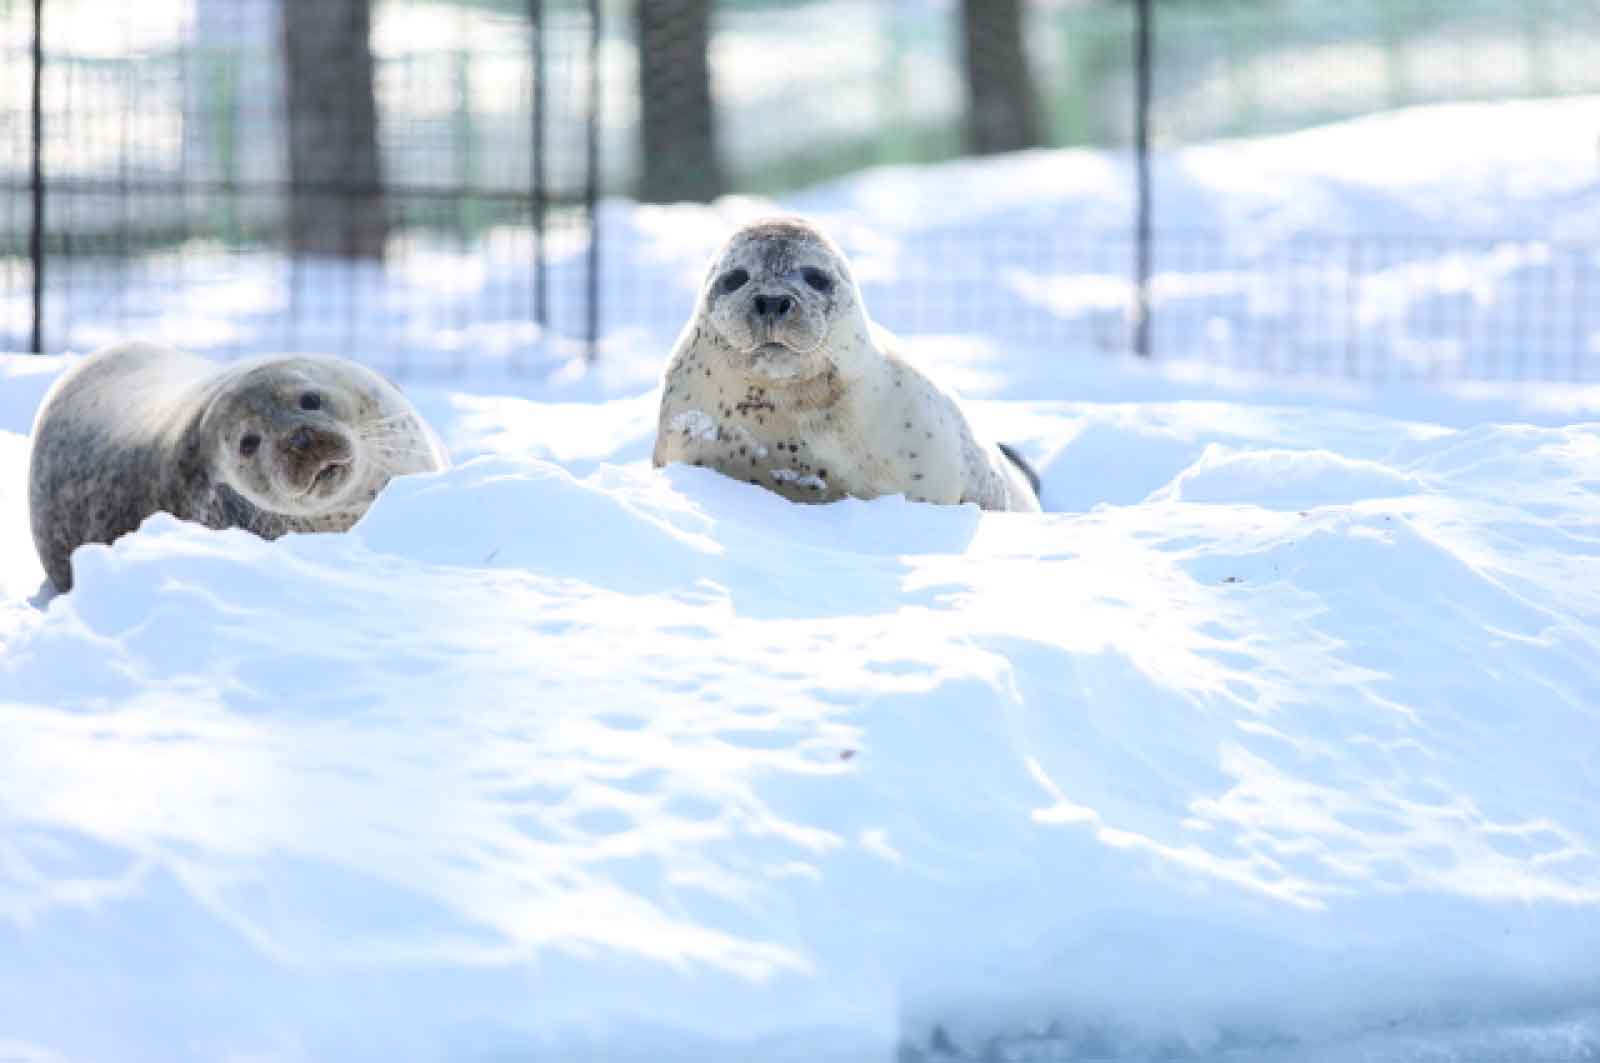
754	399
916	476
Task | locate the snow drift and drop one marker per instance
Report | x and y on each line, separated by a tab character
656	765
1275	740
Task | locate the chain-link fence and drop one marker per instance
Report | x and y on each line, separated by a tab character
172	202
156	180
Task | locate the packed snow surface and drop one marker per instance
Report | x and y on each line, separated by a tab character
1276	738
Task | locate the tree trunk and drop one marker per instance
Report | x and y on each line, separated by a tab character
1002	108
678	137
336	185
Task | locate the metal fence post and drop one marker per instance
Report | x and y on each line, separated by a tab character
36	235
536	165
591	188
1141	141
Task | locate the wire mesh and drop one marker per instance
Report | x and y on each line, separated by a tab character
165	173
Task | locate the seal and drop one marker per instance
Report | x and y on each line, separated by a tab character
271	445
780	378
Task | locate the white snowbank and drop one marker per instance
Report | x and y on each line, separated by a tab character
657	765
1284	479
1275	740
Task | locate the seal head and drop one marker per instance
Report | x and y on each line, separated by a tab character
775	298
285	440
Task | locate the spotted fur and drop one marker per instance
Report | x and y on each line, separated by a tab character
815	402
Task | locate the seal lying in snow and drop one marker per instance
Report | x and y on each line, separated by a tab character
271	445
781	379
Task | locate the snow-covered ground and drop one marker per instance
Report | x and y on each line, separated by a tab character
1275	739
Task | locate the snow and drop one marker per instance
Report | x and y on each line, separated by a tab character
695	423
797	479
1274	739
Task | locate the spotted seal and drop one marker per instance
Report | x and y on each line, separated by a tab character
780	378
271	445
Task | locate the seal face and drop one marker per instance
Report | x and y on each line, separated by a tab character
772	297
271	445
781	379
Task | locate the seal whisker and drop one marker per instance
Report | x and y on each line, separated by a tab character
392	448
397	421
381	438
396	460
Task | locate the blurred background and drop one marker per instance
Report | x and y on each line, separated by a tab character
431	184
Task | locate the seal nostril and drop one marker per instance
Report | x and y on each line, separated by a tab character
300	439
773	306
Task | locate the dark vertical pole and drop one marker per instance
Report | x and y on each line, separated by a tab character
1141	145
541	315
36	235
591	189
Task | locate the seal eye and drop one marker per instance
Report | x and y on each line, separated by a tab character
311	401
733	280
817	279
249	444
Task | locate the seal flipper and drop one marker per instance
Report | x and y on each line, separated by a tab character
231	510
1021	463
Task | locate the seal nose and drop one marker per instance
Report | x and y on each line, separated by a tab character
772	307
300	440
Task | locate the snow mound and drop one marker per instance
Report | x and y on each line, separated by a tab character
1276	741
655	765
1283	479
